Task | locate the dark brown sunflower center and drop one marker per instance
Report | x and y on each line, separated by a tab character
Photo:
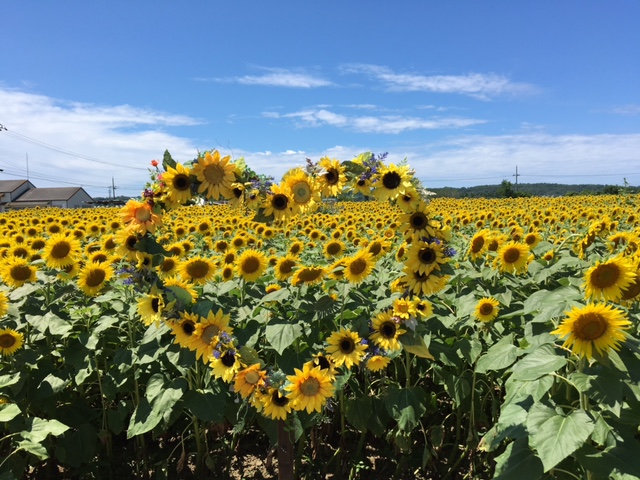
310	274
590	326
310	387
486	309
632	290
427	256
511	255
391	180
209	333
477	244
7	340
251	265
334	248
323	362
347	345
358	266
95	277
155	304
388	329
228	359
279	202
167	265
418	220
130	242
181	182
237	192
332	176
197	269
279	400
214	174
375	248
605	276
20	273
188	327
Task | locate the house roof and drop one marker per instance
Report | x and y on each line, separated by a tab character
49	194
8	186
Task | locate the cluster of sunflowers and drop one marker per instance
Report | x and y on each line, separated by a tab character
279	208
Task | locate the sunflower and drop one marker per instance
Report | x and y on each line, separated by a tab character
177	182
326	364
208	332
140	217
251	264
215	174
308	275
608	280
409	201
532	239
375	363
227	273
304	194
4	304
595	325
127	241
279	203
10	341
346	348
309	388
167	268
17	271
332	177
404	308
253	200
333	248
391	181
513	257
150	307
93	277
225	364
386	331
358	267
416	223
177	287
275	405
423	308
479	244
250	379
487	309
183	329
197	269
421	283
425	257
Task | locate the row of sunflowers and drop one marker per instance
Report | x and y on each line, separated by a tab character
460	333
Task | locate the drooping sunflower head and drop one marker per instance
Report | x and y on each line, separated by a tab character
197	270
308	275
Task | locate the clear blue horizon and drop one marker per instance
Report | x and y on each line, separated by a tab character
466	91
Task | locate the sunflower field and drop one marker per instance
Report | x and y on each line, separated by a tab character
336	324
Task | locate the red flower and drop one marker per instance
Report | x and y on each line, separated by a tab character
154	163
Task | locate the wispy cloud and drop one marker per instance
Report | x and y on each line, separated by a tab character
71	143
483	86
630	109
390	124
277	77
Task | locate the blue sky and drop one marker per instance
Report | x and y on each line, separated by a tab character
465	90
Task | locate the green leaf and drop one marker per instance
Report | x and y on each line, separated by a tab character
9	379
51	322
511	424
358	412
518	390
538	414
276	296
207	406
39	429
415	344
560	436
147	416
518	461
623	458
34	448
9	411
282	335
406	406
499	356
540	362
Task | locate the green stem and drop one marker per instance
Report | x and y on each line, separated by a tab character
407	368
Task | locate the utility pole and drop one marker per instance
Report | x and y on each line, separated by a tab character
516	175
113	187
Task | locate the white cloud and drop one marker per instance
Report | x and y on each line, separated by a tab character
71	143
483	86
389	124
278	77
630	109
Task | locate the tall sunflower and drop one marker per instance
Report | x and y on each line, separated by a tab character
225	363
391	181
93	277
309	388
596	325
478	245
251	264
183	329
358	267
278	202
308	275
140	217
61	250
177	183
248	380
487	309
422	283
386	331
609	279
346	348
275	405
17	271
207	334
304	193
416	223
150	307
333	248
10	341
331	176
513	257
216	175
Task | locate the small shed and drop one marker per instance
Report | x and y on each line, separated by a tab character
10	190
63	197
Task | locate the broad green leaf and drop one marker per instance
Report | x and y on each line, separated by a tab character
9	379
34	448
518	390
51	322
540	362
9	411
406	406
560	436
155	385
499	356
511	424
282	335
538	414
276	296
518	462
358	412
41	428
147	416
415	344
207	406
